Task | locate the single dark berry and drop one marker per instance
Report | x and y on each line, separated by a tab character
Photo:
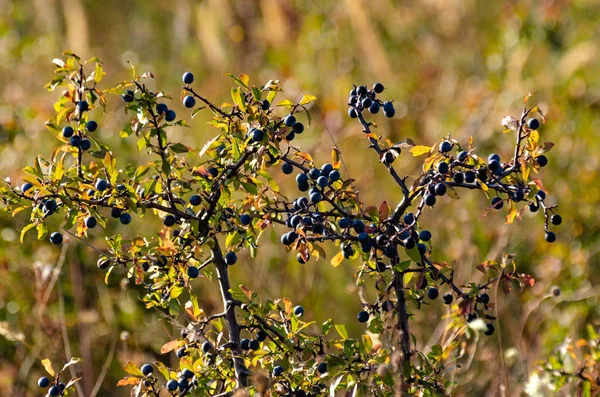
442	167
261	335
462	156
195	200
56	238
445	146
264	105
440	189
380	266
188	78
484	298
378	88
469	177
299	311
459	177
301	178
388	109
497	203
366	102
67	131
43	382
352	113
125	218
334	175
245	219
301	259
322	368
344	223
289	120
115	212
374	108
287	168
127	98
146	369
388	157
189	101
314	173
533	207
489	329
556	219
101	185
181	352
541	195
533	123
245	344
550	237
361	90
433	293
430	200
358	226
231	258
363	316
192	271
90	222
448	298
82	106
298	128
206	347
493	157
170	115
542	160
75	140
254	344
85	144
409	243
278	370
169	220
91	126
54	391
172	385
161	108
425	235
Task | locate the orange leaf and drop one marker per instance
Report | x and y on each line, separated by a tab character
129	381
384	210
172	345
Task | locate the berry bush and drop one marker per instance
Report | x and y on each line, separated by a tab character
220	199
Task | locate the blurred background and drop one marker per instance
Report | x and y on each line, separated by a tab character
452	67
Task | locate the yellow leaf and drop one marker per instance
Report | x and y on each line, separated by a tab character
484	187
306	99
419	150
304	156
336	260
245	79
335	157
132	369
510	218
48	366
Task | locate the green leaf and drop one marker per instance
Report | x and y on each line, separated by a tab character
179	148
250	187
